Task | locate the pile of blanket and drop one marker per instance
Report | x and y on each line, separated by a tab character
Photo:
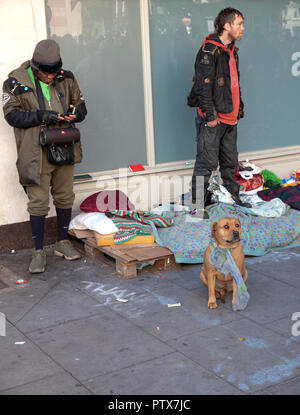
188	240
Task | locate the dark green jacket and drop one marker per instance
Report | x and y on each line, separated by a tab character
20	104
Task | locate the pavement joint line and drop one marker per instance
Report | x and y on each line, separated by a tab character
211	371
32	381
130	366
60	323
281	383
263	325
51	326
274	278
36	304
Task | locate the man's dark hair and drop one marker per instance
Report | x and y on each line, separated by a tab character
225	16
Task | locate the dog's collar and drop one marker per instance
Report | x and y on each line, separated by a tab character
214	245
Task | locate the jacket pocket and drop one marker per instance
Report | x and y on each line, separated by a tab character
219	93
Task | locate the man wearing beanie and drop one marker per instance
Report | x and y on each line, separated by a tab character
42	80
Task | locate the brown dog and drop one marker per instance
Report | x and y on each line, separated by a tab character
227	234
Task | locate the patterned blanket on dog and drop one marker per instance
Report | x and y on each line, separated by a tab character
222	260
189	240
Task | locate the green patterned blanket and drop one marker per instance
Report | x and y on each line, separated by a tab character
131	224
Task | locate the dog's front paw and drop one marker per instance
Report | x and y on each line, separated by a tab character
212	303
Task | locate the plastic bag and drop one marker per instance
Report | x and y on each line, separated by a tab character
251	179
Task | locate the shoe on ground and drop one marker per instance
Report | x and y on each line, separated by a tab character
38	262
66	250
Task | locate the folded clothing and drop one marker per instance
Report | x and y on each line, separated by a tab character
95	221
131	224
123	226
128	229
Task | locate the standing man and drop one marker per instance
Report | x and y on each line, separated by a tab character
216	94
43	81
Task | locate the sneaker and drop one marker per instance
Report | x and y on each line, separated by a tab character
38	262
66	250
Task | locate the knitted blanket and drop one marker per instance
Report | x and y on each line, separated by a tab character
131	223
222	260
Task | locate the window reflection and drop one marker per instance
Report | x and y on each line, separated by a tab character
100	41
291	17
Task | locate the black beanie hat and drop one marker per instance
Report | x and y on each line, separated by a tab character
46	56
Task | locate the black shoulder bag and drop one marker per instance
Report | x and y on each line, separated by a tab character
59	141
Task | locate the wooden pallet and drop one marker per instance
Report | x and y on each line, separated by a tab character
127	257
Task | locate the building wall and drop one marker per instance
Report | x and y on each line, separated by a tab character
22	26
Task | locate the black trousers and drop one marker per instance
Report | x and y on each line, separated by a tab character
215	146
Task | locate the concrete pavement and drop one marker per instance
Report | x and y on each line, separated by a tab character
68	333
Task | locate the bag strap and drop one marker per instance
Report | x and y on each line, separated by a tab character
60	95
39	93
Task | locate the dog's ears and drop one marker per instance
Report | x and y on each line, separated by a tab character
213	229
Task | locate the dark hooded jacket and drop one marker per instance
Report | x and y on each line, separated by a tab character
20	105
211	91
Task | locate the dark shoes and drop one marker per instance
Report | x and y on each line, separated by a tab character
38	262
65	249
62	248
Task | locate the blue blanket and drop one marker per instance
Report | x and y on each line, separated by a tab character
260	235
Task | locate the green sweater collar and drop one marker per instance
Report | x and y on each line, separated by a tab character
45	87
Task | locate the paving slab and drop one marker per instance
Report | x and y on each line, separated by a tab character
174	374
187	276
270	299
191	316
98	344
288	327
249	356
22	361
17	303
282	265
61	304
